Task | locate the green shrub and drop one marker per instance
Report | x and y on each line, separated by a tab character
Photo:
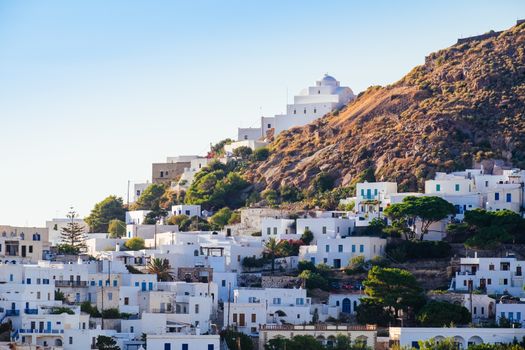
261	154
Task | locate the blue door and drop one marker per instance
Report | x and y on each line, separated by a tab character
150	286
144	286
49	326
347	306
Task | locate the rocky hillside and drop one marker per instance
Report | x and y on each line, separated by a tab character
464	105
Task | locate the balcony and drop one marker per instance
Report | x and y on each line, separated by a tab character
71	284
31	311
12	312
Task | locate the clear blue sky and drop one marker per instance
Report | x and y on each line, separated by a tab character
92	92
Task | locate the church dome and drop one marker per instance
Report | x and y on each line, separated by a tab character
328	78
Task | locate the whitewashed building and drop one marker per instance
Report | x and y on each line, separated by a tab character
253	307
186	209
326	227
312	103
337	252
463	337
493	275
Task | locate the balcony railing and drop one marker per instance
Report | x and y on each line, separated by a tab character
271	327
41	331
72	284
31	311
12	312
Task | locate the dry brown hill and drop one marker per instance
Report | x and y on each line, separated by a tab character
465	104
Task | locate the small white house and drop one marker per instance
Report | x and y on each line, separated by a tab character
186	209
337	252
493	275
326	227
255	306
136	217
373	197
181	341
278	229
514	311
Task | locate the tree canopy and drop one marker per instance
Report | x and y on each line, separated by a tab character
117	228
424	210
394	289
103	212
135	243
217	186
72	235
442	314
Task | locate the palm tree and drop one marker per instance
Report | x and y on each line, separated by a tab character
161	268
272	248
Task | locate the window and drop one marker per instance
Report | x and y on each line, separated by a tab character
70	340
38	295
438	187
491	267
353	248
162	174
210	347
324	229
132	329
305	111
294	111
327	248
115	283
167	346
361	248
276	301
196	308
340	248
126	301
110	296
483	310
254	317
518	316
30	248
234	318
489	281
275	230
269	126
496	196
511	316
315	110
457	187
298	316
223	283
269	231
509	197
28	280
299	301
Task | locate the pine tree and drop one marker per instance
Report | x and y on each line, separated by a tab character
72	235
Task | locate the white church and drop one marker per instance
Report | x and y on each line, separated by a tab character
312	103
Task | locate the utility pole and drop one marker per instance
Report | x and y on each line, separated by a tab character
229	291
128	194
155	235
